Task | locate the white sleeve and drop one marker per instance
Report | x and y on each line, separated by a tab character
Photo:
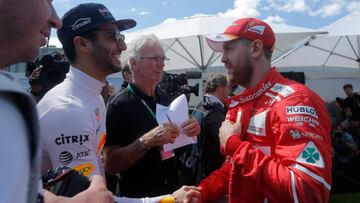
14	154
69	139
145	199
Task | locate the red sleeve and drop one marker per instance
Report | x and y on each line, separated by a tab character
216	185
299	169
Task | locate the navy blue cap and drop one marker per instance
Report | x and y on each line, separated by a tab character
85	17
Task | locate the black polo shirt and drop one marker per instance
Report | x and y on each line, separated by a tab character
127	120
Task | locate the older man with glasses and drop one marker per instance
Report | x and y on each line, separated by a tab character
134	139
72	114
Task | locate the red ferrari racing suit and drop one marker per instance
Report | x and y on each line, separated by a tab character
283	153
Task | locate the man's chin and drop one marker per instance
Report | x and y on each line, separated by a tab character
115	69
232	80
30	55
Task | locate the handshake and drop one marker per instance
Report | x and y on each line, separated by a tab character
67	182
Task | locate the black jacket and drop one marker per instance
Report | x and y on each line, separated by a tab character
208	145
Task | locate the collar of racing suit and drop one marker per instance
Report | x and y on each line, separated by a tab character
249	95
85	80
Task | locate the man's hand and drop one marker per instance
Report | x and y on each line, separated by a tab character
36	73
162	134
187	194
97	192
191	127
226	130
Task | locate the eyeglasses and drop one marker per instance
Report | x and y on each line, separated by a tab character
116	35
156	58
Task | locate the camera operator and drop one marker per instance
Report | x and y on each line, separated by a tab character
173	85
46	72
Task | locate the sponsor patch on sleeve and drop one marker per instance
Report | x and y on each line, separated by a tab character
283	90
311	155
85	169
302	110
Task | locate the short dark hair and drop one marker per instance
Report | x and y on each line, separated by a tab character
69	46
267	52
348	86
214	81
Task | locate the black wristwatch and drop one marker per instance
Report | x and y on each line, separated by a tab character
141	145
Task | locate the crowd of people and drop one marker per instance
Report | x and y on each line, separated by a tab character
345	142
270	143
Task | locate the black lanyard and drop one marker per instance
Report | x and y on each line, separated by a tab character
142	101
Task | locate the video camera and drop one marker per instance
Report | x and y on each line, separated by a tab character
54	67
177	84
341	102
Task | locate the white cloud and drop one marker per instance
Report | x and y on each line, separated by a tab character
354	7
275	19
266	8
170	20
328	10
294	6
142	13
242	8
323	8
164	3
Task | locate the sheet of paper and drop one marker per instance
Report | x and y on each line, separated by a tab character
177	111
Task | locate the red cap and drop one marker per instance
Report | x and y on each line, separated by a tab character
248	28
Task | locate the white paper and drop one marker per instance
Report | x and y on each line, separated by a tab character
178	114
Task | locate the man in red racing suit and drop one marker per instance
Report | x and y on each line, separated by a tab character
281	150
284	152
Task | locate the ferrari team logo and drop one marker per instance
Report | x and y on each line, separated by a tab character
311	155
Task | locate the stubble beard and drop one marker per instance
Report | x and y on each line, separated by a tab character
102	55
242	73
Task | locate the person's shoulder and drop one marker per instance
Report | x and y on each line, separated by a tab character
55	105
120	97
297	95
296	86
9	84
296	89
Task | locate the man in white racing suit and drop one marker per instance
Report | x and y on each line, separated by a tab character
72	114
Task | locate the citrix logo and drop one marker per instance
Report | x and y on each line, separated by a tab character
71	139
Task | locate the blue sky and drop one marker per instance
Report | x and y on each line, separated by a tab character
303	13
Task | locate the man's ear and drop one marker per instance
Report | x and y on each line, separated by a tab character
257	48
82	44
132	63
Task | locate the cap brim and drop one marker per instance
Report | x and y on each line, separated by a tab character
216	42
125	24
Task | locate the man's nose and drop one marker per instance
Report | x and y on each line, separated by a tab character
54	20
122	45
223	58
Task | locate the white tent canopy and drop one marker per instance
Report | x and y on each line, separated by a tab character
334	55
329	61
184	42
